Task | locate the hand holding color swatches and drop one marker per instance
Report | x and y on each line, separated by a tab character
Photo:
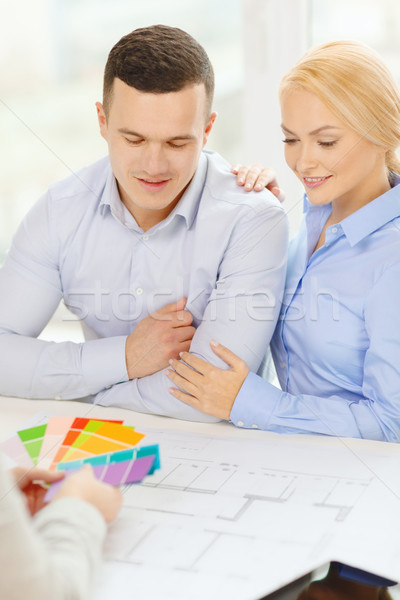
66	443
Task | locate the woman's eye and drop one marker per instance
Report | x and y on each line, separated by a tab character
327	144
289	141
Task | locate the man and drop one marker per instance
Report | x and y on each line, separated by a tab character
154	248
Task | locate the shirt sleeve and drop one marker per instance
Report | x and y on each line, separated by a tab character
53	556
241	312
374	414
31	289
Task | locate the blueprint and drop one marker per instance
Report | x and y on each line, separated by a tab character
235	518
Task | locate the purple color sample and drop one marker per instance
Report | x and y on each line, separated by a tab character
99	471
140	469
115	473
118	473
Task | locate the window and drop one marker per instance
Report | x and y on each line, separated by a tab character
52	64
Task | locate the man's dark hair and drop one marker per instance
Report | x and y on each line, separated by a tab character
158	59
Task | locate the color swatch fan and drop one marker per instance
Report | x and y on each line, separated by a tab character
67	443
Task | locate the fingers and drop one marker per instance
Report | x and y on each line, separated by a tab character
278	193
253	177
24	476
182	318
84	485
182	383
240	172
256	177
175	317
247	176
173	307
266	178
46	476
186	398
227	356
200	365
186	372
236	168
183	334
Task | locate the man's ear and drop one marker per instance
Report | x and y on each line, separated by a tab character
209	126
102	119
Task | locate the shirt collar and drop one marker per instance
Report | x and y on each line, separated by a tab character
370	217
189	203
111	198
187	206
373	215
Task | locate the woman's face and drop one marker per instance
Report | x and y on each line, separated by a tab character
334	163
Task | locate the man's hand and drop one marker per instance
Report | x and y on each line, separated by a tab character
256	177
30	482
158	338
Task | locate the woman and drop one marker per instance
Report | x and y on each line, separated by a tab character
337	343
54	555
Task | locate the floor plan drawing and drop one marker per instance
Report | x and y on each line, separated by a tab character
229	517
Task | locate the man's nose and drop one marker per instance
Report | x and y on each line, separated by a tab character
155	161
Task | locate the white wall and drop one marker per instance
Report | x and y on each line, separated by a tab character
275	36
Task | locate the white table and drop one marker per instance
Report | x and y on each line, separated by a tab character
298	500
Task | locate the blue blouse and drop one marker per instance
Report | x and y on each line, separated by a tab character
336	347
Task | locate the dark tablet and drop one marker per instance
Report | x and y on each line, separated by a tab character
354	578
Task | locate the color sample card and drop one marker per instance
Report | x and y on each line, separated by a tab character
57	428
100	438
15	449
124	455
73	436
32	439
67	443
114	473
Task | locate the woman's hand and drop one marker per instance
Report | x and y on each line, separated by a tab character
257	178
84	485
205	387
30	482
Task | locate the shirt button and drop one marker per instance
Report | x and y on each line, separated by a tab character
240	423
139	291
255	426
334	230
145	238
283	365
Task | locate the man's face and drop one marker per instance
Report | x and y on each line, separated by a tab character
154	143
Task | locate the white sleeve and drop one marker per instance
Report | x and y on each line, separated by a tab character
52	557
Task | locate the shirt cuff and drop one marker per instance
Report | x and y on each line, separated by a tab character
255	403
103	363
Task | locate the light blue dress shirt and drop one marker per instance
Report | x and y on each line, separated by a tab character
222	248
337	344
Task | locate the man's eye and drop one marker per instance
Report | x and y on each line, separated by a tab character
172	145
133	142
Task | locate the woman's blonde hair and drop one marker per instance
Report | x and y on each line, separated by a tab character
354	83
